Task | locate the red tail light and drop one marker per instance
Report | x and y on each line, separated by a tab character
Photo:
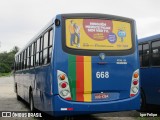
69	98
131	95
69	109
134	83
63	85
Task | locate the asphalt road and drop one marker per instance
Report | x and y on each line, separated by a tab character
8	102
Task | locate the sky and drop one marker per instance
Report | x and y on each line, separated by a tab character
20	20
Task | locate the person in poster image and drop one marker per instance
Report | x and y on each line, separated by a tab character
77	34
72	33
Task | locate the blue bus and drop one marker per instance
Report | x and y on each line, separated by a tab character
80	64
149	51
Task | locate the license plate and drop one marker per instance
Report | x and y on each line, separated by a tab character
101	96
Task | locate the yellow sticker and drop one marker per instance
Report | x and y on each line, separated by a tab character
98	34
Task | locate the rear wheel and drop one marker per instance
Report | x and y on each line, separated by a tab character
17	96
31	102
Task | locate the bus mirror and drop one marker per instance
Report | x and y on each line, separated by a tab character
57	22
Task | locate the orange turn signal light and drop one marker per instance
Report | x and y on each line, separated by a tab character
62	77
135	75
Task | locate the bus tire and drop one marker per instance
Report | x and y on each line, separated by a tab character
17	96
142	101
31	102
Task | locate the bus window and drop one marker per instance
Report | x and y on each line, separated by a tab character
32	53
145	56
50	37
22	59
25	61
140	54
31	50
28	55
45	50
50	45
46	40
41	51
37	52
156	53
26	58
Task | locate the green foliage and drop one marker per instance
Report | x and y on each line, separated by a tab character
4	68
5	74
7	60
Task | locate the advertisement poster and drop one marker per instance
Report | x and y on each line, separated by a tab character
98	34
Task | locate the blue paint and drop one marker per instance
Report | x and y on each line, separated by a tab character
150	76
43	80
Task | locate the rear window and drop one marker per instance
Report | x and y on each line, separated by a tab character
97	34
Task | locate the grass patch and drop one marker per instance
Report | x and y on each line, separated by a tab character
5	74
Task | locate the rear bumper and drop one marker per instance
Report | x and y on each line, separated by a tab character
77	108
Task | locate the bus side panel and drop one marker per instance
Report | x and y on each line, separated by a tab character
36	91
18	83
46	89
56	63
42	96
43	89
24	79
150	84
145	79
29	78
155	83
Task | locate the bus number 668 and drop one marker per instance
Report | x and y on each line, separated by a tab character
102	74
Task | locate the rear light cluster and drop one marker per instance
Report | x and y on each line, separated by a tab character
135	83
63	85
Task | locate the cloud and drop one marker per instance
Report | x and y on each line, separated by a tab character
148	26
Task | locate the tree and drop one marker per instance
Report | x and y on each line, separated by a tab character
7	60
15	49
4	68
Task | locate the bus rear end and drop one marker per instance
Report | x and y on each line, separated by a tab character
96	66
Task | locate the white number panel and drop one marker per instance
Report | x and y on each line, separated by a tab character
102	74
